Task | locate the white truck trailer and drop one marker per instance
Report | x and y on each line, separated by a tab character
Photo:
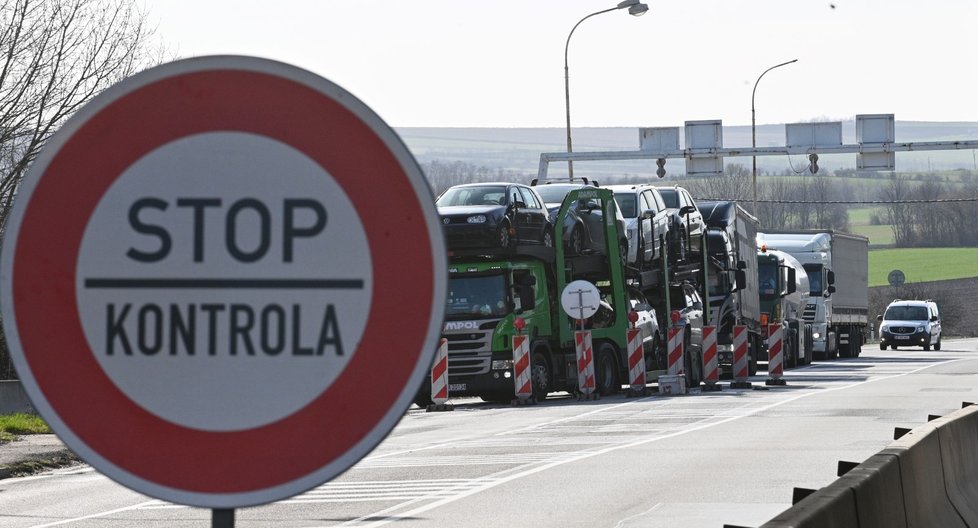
838	276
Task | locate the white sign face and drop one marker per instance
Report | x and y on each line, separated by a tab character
211	266
580	299
196	284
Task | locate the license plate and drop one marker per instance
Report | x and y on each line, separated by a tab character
456	387
901	337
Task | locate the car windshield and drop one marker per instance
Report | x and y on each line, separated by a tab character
670	197
906	313
477	295
555	193
477	195
627	204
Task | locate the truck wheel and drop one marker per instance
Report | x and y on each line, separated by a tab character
691	363
423	400
541	377
497	397
606	370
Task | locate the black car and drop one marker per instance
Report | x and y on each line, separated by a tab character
583	228
487	215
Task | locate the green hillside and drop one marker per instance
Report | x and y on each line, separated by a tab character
923	264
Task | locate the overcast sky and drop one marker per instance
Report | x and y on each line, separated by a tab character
500	63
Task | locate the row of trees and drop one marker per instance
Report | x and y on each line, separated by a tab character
944	216
922	211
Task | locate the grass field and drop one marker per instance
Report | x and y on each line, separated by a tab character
879	235
923	264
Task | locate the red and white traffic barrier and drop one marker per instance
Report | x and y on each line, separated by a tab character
775	357
741	365
439	379
636	360
711	371
585	362
675	355
521	367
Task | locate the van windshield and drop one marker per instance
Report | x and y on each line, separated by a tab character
906	313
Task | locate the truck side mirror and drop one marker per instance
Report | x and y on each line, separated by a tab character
792	280
831	277
831	290
741	265
740	278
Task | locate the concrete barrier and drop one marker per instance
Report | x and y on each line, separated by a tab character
879	492
922	475
13	399
928	477
833	506
959	454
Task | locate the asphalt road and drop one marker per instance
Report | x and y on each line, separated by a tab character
699	460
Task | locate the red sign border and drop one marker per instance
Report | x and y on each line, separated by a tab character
63	378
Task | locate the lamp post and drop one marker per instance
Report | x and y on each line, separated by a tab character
753	132
635	8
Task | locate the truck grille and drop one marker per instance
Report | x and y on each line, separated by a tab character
469	348
809	314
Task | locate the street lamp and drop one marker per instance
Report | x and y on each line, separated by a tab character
635	8
753	132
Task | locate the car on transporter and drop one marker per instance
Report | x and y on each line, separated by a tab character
910	323
491	215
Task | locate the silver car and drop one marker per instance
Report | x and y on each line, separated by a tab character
646	222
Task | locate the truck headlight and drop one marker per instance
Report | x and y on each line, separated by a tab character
816	335
477	219
502	364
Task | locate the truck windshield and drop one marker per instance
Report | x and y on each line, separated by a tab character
814	279
477	296
767	278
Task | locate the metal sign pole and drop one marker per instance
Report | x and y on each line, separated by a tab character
222	518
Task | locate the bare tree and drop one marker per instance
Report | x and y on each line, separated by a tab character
55	55
899	214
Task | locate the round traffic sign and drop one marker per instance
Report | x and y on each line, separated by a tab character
194	277
896	278
580	299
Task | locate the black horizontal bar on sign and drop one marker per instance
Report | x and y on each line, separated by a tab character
258	284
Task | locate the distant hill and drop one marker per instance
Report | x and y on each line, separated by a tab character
519	148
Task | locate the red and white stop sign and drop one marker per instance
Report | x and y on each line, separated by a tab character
223	281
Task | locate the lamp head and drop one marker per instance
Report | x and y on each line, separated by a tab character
635	8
